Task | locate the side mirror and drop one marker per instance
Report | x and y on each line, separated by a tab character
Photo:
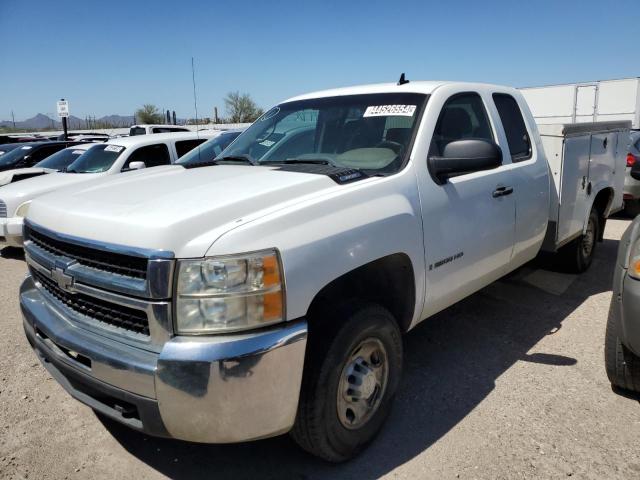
465	156
137	166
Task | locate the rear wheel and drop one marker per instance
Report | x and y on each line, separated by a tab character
351	376
623	367
578	255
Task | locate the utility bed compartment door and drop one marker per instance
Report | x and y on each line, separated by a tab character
573	187
603	159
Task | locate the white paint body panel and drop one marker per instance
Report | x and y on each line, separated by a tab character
323	230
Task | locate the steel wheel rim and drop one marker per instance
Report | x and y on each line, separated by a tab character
363	382
588	239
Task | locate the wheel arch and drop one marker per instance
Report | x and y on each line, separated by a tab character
602	203
388	281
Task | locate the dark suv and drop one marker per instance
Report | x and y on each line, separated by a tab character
28	154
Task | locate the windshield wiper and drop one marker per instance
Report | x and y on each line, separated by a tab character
216	161
237	158
203	163
69	170
310	161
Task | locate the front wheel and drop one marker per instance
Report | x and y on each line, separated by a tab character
349	383
623	367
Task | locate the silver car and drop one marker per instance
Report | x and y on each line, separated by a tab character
631	185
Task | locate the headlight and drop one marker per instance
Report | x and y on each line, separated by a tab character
23	209
231	293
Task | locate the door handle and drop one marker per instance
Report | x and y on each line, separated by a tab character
502	192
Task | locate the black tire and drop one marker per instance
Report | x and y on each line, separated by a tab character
623	367
574	255
318	428
632	208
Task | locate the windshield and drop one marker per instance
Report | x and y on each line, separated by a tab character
209	150
15	155
8	147
98	158
61	159
370	132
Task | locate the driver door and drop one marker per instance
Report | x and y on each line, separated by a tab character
469	228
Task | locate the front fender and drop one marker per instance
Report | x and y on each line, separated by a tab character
325	237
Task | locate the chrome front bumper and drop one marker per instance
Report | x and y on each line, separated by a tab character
11	232
213	389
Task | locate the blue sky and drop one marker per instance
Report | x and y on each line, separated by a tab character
111	57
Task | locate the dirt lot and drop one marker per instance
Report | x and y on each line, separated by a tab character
507	384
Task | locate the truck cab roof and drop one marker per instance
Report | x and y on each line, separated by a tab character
424	87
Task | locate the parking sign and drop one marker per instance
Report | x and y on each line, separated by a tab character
63	108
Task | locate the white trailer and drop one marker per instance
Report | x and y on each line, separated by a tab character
599	101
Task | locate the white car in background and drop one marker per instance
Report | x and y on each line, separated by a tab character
53	163
115	156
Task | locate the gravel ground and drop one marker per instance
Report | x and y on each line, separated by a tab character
509	383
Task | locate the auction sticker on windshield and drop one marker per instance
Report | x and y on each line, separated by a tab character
390	110
113	148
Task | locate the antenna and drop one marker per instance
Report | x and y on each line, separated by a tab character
402	80
195	104
195	100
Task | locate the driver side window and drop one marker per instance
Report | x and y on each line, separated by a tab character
463	116
151	155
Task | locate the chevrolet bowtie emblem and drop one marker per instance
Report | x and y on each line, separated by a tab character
63	279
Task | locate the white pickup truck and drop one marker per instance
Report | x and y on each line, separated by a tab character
267	291
104	159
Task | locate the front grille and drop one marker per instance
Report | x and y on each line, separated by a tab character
102	260
117	315
3	209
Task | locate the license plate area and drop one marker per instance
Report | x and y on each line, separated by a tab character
79	360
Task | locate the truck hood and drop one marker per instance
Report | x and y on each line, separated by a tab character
172	208
15	194
10	176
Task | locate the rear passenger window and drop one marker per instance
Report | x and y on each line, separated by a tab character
168	130
185	146
151	155
514	127
463	116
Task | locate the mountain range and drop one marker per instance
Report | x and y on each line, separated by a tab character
41	121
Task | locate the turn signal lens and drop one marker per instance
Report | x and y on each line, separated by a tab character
636	269
634	261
